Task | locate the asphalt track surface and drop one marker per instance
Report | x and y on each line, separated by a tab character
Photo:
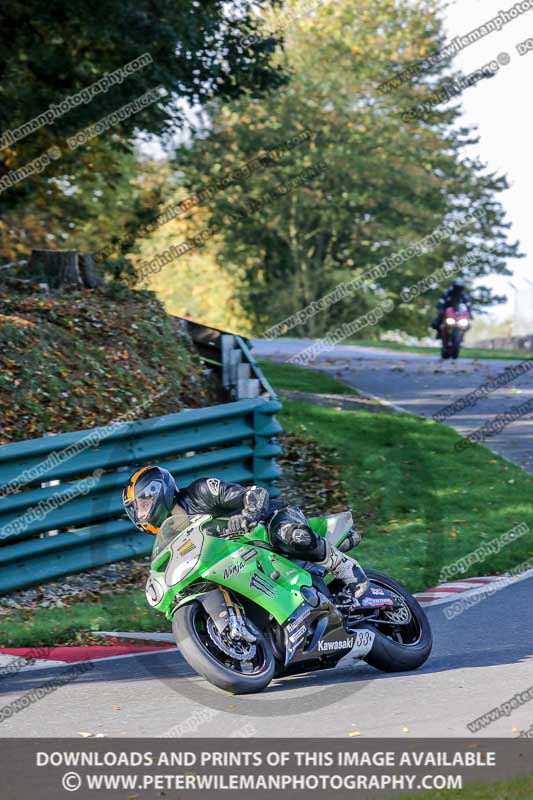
481	658
423	384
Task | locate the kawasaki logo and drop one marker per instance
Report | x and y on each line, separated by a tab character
342	645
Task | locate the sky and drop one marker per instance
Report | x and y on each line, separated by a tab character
502	111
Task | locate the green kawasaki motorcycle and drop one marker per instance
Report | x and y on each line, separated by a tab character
243	614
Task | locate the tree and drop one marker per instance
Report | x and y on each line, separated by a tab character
383	185
182	51
110	197
199	287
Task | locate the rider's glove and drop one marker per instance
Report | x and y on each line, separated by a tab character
238	523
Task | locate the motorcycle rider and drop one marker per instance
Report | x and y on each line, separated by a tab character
455	294
151	496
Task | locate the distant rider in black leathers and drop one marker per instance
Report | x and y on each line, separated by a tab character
455	294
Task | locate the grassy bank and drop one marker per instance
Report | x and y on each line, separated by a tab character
291	378
75	360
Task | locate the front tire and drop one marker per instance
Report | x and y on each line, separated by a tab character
457	340
189	627
390	655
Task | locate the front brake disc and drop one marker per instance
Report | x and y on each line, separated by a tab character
235	648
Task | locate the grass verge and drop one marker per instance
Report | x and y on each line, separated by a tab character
52	626
515	789
291	378
420	505
466	352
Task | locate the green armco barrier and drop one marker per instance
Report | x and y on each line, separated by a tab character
77	523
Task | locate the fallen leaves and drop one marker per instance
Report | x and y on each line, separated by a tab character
311	477
77	361
110	579
14	320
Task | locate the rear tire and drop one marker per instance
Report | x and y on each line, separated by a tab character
389	655
185	624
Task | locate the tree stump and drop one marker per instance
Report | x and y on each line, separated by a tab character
89	272
58	268
63	269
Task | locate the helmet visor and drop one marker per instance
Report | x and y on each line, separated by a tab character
141	506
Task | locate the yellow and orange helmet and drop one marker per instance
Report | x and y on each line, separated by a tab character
149	497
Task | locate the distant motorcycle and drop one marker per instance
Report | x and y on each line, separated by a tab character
243	613
455	324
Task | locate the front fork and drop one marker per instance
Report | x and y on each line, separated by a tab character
236	620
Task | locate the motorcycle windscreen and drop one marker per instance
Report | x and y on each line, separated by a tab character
170	528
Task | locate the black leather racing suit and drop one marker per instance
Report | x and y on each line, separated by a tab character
286	525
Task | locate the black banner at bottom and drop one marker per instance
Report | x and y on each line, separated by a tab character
141	769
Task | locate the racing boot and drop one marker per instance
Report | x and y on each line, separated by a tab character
346	569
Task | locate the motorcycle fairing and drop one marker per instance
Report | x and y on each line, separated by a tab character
318	634
246	564
196	554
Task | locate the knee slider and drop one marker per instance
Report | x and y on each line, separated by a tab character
297	536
